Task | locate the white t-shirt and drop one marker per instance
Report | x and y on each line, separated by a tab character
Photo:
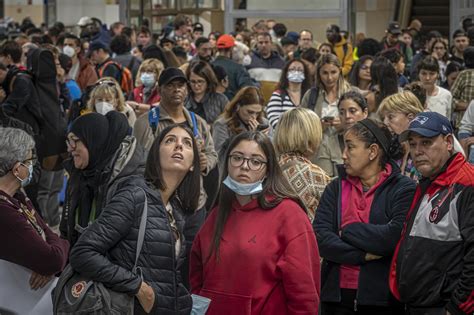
441	102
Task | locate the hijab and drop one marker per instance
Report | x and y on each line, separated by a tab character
102	136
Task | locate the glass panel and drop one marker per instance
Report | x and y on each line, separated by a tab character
163	4
188	4
279	5
316	26
208	4
160	22
135	5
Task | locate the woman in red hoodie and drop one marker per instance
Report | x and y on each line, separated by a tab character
256	253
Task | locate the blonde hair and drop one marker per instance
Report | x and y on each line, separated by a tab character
405	102
107	87
299	131
149	65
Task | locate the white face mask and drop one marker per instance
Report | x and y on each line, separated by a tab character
69	51
295	76
104	107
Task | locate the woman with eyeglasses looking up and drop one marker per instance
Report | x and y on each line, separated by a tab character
26	239
102	154
256	252
203	98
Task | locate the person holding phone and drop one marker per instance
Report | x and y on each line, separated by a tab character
243	113
323	99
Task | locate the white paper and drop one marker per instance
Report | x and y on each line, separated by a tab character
16	295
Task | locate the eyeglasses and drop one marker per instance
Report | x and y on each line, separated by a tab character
197	82
364	67
296	69
72	143
254	164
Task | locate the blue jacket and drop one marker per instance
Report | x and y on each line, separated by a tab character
380	236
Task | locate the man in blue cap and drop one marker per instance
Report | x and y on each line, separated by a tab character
99	54
432	270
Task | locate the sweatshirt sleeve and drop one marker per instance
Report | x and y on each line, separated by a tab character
274	109
196	266
381	239
300	269
325	225
22	244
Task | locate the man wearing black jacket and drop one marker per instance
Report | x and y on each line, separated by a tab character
432	271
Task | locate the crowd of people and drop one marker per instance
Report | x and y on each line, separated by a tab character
256	172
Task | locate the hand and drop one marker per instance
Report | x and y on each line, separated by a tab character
202	161
38	281
146	297
253	124
61	74
369	257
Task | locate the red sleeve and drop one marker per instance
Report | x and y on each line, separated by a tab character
22	245
299	264
196	266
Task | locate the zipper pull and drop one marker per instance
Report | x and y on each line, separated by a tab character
355	305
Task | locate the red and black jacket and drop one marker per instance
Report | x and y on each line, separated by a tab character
433	264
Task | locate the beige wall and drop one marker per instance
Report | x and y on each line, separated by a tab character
373	16
19	12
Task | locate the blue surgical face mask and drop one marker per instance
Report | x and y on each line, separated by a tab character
148	79
295	76
24	182
243	189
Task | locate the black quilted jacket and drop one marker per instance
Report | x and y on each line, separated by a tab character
105	252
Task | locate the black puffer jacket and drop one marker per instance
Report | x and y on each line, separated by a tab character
105	252
129	160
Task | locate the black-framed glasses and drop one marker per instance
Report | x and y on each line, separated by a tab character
72	143
254	164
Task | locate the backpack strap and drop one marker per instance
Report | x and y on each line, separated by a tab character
345	48
154	118
313	97
141	231
195	128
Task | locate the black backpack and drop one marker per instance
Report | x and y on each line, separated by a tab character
42	69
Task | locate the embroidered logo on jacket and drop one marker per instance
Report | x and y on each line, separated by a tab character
78	288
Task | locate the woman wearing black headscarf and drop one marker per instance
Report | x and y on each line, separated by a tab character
104	155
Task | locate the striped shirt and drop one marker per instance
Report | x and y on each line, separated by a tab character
278	106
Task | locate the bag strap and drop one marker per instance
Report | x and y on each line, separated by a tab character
141	231
195	127
313	97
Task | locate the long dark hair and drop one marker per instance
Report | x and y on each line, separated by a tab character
275	186
189	189
384	75
305	85
354	78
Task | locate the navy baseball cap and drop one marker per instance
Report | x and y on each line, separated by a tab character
428	124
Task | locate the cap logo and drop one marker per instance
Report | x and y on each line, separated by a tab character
422	120
444	128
